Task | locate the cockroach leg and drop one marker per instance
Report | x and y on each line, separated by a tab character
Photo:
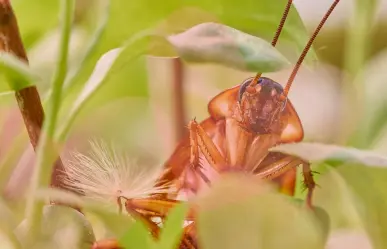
193	138
279	167
200	139
309	183
189	237
106	244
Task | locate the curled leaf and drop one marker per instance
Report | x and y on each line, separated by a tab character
218	43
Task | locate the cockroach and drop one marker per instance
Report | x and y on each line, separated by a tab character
245	122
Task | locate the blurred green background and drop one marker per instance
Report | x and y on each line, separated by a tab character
339	93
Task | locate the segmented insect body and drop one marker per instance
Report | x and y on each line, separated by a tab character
245	122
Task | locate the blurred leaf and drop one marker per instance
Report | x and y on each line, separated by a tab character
372	123
8	239
137	237
217	43
92	46
331	154
355	194
17	72
241	212
173	227
114	222
321	216
63	227
7	225
323	220
107	65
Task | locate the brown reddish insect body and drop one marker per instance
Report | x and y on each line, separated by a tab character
245	121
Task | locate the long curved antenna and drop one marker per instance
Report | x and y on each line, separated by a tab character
276	36
306	49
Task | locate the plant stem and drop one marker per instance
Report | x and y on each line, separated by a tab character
47	149
178	97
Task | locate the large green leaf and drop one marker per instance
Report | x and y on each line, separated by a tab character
217	43
354	196
239	212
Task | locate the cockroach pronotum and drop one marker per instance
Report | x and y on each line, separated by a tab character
245	122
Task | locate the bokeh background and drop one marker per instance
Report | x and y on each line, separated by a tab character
339	92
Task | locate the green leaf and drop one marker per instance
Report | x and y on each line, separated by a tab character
17	72
109	64
355	197
241	212
261	18
321	216
331	154
173	228
217	43
137	236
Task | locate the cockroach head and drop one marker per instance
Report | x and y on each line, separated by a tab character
262	106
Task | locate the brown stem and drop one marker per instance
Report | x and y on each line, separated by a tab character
28	99
178	95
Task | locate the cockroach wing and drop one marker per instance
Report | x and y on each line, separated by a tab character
221	106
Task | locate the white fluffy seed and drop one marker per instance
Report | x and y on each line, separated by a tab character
105	174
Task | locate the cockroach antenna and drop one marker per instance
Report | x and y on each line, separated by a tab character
275	38
306	49
105	174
